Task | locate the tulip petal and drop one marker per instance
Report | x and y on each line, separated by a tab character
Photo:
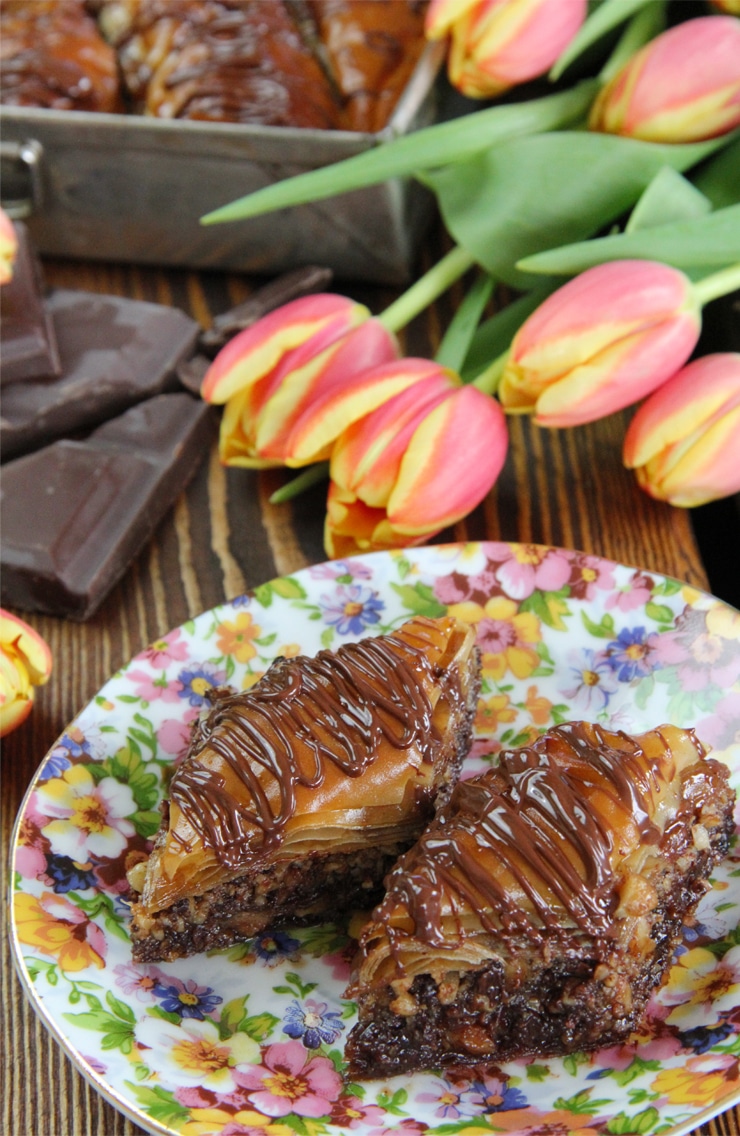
332	416
600	342
442	14
258	350
8	247
683	86
685	440
18	639
621	375
705	469
703	390
352	526
315	402
499	43
367	456
452	462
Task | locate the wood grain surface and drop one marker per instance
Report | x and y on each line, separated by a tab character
566	488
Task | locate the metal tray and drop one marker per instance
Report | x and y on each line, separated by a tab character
130	188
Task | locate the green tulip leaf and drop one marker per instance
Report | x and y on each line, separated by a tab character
444	143
536	193
461	329
710	241
602	20
719	177
669	197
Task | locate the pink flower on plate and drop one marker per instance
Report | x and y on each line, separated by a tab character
138	980
721	728
332	569
152	688
705	648
635	593
30	862
289	1080
171	648
529	568
350	1112
588	575
174	735
30	856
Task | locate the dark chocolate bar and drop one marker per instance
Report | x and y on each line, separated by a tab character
29	346
289	286
114	353
76	513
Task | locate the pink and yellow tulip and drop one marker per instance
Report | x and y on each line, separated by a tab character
603	341
419	462
294	379
498	44
684	442
25	662
683	86
8	247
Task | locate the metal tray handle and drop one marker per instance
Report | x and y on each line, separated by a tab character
21	177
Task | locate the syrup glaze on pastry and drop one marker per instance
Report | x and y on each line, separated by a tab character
539	909
325	757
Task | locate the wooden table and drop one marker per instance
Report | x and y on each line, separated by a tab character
223	536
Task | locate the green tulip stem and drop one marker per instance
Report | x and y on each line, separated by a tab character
426	290
488	380
308	477
718	284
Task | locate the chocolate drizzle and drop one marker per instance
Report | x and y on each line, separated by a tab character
304	716
540	826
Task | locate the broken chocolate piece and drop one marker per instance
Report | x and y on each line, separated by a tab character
29	346
75	514
114	353
289	286
192	372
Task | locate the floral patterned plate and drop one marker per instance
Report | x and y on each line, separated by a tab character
249	1040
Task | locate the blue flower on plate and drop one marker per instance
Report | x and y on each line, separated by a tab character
703	1038
72	744
352	608
273	946
633	653
67	875
314	1024
198	681
187	999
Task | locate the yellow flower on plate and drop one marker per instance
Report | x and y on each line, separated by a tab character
89	818
537	706
53	925
237	638
494	711
506	636
212	1121
702	1081
192	1052
701	987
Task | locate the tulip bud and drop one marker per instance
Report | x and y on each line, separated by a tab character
684	442
604	340
25	662
497	44
683	86
415	465
8	247
294	366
